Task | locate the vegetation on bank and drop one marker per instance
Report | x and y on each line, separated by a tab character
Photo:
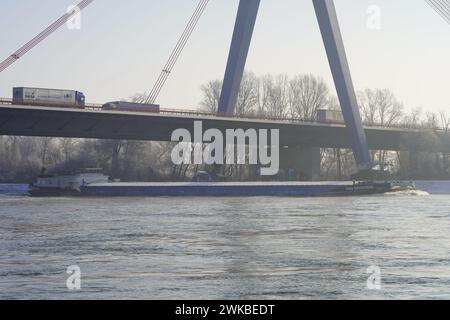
299	97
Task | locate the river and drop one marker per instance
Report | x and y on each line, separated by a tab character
231	248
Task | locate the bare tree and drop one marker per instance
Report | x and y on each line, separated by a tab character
412	119
307	94
368	106
273	96
211	96
44	146
390	110
445	120
380	107
68	148
247	100
431	121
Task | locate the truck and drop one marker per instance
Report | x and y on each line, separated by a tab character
131	106
330	116
48	97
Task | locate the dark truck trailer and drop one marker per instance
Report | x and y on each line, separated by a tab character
131	106
45	97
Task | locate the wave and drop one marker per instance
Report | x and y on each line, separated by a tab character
418	193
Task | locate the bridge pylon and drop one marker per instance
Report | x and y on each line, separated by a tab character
334	46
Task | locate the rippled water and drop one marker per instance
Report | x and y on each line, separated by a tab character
252	248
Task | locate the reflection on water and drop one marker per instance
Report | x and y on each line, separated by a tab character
252	248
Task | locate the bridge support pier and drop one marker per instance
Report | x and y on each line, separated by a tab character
305	161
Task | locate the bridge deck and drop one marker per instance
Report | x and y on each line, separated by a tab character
99	124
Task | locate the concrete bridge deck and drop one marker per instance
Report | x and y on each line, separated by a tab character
99	124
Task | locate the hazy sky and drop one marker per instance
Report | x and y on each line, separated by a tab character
123	45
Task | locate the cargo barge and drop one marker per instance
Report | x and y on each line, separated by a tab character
93	183
243	189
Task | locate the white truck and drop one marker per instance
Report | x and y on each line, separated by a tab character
45	97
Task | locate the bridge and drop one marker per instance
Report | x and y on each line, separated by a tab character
300	139
95	123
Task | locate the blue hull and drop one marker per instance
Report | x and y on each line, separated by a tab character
232	190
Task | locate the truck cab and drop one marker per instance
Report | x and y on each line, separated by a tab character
80	99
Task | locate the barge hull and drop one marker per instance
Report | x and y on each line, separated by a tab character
233	190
